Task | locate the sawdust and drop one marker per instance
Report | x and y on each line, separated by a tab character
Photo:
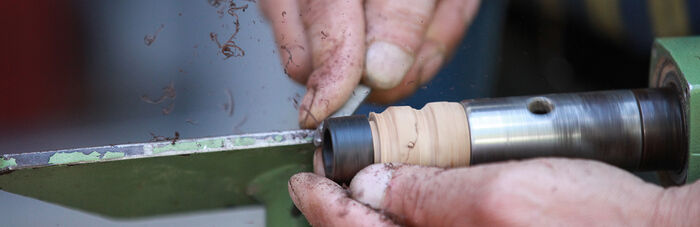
150	38
229	7
169	94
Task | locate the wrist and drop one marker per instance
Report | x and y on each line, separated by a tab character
678	206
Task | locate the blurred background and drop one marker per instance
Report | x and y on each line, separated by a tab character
88	73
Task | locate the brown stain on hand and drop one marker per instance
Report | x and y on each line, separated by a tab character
331	83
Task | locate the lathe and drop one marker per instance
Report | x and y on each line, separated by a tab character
655	128
646	129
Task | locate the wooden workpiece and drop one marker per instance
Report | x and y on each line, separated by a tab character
436	135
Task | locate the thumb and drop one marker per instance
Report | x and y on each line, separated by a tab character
541	192
325	203
395	31
415	195
445	30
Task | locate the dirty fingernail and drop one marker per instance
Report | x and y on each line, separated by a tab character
291	187
386	64
307	118
370	184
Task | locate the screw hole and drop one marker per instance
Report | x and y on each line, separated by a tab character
540	105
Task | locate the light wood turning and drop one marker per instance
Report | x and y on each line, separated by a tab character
436	135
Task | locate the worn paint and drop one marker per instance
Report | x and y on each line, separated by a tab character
190	146
166	184
7	163
244	141
63	158
113	155
185	146
142	183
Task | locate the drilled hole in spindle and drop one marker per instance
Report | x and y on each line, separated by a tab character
540	105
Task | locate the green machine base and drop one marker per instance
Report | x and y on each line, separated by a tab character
675	62
139	180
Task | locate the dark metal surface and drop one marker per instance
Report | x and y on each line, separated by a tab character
663	129
347	146
637	130
609	126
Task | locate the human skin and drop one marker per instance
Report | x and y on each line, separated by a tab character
395	46
540	192
392	46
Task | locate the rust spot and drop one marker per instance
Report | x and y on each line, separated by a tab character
157	138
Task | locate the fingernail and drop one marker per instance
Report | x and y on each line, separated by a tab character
291	188
370	184
431	58
307	118
431	67
386	64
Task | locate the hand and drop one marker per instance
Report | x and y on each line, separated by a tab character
393	46
539	192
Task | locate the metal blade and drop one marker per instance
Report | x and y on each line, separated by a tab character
145	179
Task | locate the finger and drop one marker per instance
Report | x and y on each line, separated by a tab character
421	196
428	196
395	31
448	26
336	34
410	82
325	203
284	17
485	195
